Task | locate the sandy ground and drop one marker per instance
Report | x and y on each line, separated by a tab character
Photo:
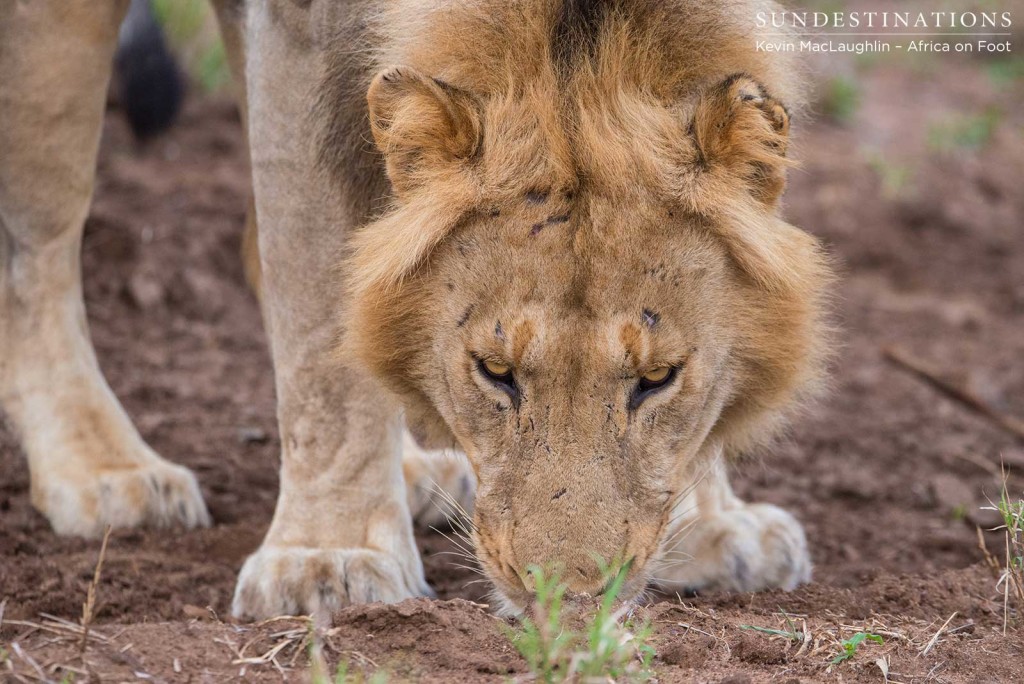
887	474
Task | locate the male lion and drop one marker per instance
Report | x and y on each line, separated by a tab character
580	280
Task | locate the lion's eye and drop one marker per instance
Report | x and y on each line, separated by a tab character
650	382
657	376
501	376
496	370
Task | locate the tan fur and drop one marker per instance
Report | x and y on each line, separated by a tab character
89	466
584	196
539	211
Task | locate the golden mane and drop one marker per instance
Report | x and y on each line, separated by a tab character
664	101
588	88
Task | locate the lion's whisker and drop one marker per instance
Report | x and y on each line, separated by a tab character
477	570
456	513
459	546
668	566
690	488
447	496
678	534
674	554
483	580
457	554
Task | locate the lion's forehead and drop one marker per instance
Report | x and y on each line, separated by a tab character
587	259
614	143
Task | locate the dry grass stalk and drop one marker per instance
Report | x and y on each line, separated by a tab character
29	660
935	638
61	628
292	640
90	597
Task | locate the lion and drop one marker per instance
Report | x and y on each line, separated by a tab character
557	228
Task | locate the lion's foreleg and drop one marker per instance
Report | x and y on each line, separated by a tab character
342	532
89	467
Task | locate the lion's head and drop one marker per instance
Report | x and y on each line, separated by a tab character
584	284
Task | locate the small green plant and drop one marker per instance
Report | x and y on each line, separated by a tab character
1016	559
612	648
343	674
192	29
970	132
542	641
1010	573
1007	71
895	178
602	650
850	646
841	98
788	633
959	512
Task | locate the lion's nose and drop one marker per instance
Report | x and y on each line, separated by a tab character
579	582
571	596
586	579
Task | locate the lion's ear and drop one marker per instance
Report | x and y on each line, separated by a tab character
425	128
739	131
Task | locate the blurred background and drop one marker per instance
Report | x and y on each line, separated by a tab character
911	169
191	28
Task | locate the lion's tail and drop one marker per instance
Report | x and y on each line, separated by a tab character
150	85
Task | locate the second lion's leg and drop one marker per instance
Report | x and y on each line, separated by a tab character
341	532
89	467
719	542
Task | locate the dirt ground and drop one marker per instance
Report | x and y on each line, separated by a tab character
927	226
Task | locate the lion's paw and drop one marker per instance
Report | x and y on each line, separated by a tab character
302	581
155	493
750	548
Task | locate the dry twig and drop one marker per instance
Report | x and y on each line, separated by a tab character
935	637
964	396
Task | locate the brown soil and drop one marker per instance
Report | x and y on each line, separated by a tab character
887	474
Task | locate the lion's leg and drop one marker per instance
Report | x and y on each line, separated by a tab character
342	532
89	466
718	542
